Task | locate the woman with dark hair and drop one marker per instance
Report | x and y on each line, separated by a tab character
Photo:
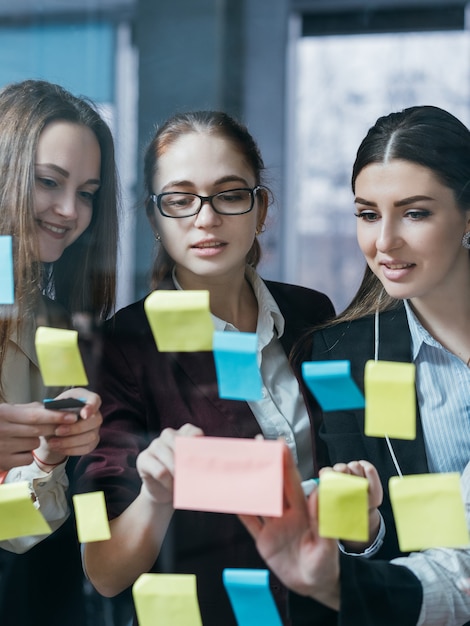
411	182
207	205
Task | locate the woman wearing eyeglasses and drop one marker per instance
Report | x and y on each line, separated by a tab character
206	205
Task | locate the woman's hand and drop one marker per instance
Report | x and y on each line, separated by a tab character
21	426
364	469
291	546
156	464
79	435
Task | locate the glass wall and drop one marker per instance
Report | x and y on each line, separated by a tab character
342	84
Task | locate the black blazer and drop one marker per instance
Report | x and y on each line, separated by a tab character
343	431
373	592
143	392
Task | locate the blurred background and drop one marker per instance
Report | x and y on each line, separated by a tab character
308	77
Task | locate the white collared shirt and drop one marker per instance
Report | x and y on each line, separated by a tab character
282	411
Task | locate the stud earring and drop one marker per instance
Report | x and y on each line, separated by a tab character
466	240
157	237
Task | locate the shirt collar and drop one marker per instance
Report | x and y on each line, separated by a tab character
269	314
419	335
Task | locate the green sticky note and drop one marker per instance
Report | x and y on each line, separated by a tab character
91	517
390	399
180	320
343	507
429	511
59	358
166	599
18	515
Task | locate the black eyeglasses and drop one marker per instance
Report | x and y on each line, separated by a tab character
181	204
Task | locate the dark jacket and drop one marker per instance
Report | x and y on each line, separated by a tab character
145	391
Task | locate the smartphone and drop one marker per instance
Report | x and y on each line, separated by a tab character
70	405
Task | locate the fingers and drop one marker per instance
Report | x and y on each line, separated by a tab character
156	464
76	439
253	524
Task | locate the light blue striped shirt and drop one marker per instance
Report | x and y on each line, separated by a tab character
443	389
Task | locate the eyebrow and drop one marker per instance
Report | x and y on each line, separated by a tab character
219	181
65	174
399	203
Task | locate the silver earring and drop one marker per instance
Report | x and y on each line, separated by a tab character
466	240
157	237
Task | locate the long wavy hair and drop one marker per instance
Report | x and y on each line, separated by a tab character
84	278
214	123
427	136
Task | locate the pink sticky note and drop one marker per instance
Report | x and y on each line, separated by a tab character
227	475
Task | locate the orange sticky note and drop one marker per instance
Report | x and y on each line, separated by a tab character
91	517
343	507
59	358
429	511
180	320
228	475
18	515
167	599
390	399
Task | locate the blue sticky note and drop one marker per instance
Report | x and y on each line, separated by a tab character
236	365
250	597
332	385
7	289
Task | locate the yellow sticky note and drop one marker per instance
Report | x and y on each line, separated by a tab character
390	399
429	511
91	517
59	358
180	320
343	507
18	515
166	599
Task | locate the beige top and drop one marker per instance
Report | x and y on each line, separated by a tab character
22	383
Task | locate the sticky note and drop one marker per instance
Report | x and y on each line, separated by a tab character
429	511
250	597
343	507
167	599
18	515
180	320
7	288
228	475
332	385
390	399
236	365
91	517
59	358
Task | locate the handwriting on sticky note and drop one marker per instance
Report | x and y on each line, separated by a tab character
180	320
228	475
18	515
91	517
7	287
250	597
390	399
343	507
429	511
332	385
59	358
167	599
236	364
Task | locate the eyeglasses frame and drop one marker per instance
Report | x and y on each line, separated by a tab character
156	199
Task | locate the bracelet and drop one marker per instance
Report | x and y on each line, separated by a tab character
38	460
